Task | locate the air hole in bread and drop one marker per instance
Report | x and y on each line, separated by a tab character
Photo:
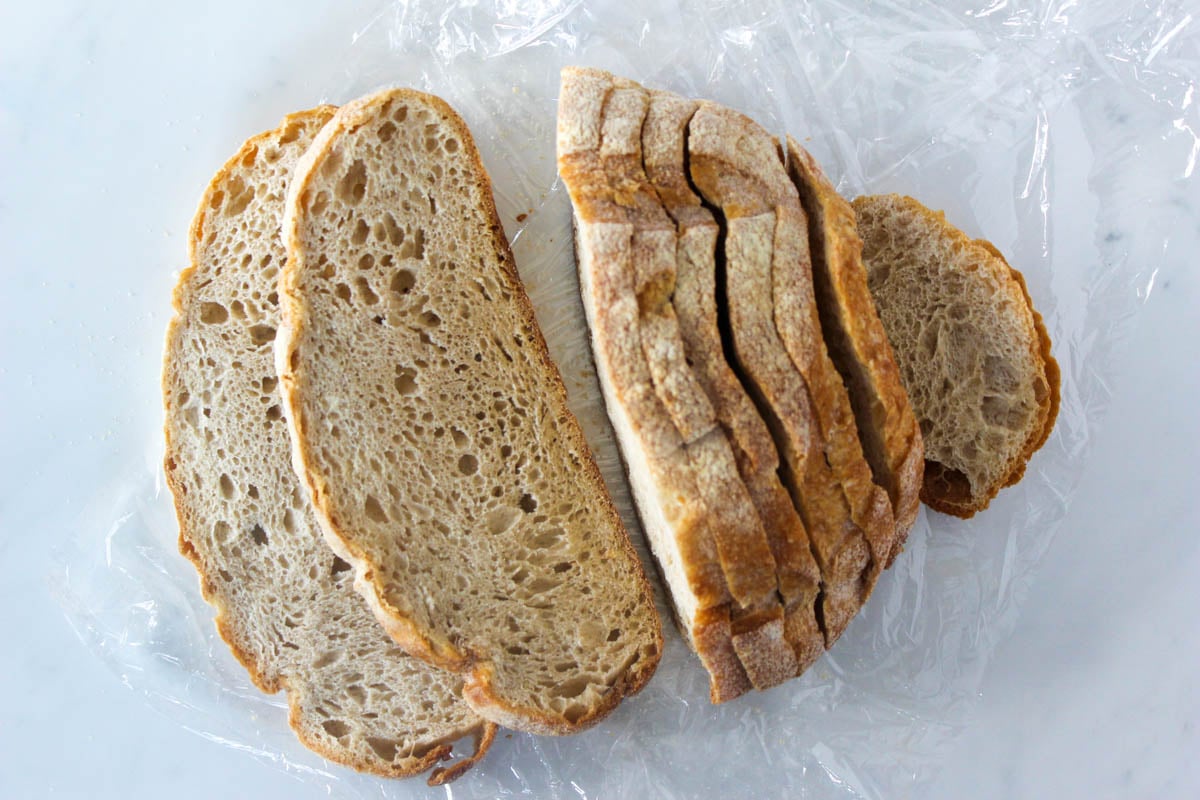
339	566
406	381
352	187
373	509
414	247
258	535
262	334
327	658
528	503
226	484
403	282
342	291
213	313
468	464
335	728
388	231
451	145
238	198
365	293
366	261
320	202
1001	412
386	131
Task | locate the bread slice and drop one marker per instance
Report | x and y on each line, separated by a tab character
747	562
285	604
857	344
432	430
663	468
738	168
974	354
664	135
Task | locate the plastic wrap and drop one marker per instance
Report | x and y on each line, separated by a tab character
1017	118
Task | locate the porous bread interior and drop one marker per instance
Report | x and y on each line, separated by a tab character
284	602
965	340
434	432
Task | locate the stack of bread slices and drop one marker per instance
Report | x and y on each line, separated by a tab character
773	450
358	398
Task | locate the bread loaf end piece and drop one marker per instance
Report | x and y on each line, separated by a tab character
974	354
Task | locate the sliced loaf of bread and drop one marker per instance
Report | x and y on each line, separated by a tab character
739	169
432	430
285	603
694	299
747	561
857	343
974	354
661	471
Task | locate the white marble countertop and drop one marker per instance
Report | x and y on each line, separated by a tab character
112	118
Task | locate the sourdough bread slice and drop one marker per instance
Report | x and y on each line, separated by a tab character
285	603
738	168
857	343
974	354
432	430
664	135
664	477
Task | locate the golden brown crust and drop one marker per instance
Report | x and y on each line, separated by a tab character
432	646
886	422
738	166
664	135
607	241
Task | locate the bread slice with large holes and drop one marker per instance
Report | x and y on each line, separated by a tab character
285	603
973	352
432	430
600	159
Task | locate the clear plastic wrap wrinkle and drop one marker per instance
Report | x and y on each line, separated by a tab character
1044	127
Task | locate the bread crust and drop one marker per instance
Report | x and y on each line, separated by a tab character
664	136
436	647
739	168
654	420
886	423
